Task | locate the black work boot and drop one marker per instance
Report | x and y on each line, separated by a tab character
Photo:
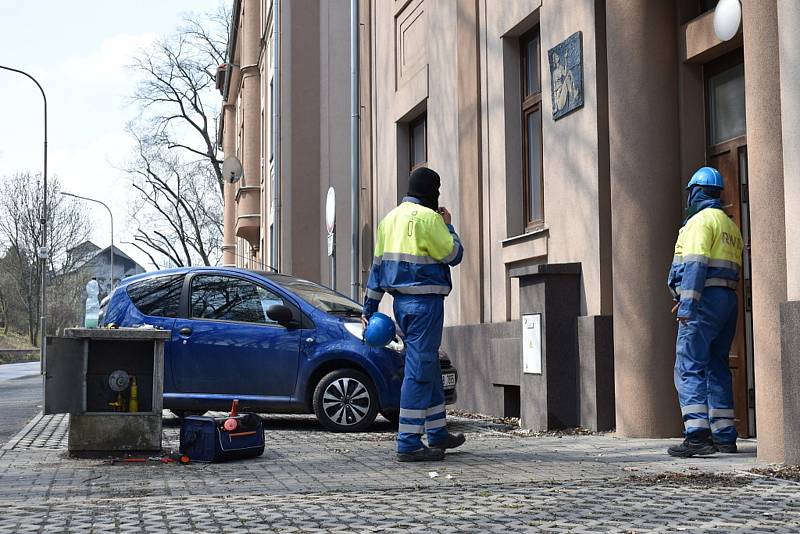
450	442
425	454
727	448
693	447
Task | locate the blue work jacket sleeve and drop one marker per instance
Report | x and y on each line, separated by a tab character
692	284
697	241
673	280
374	294
458	248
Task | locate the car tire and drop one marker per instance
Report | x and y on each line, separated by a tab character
345	401
393	416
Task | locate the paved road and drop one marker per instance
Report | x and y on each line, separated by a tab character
20	396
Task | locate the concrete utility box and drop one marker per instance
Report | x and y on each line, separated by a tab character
550	303
89	374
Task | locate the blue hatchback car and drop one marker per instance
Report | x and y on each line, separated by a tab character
277	343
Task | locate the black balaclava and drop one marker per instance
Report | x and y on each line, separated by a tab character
701	198
424	184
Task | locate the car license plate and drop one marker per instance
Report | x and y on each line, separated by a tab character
449	380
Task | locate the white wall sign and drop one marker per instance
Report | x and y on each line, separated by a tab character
532	343
330	219
330	210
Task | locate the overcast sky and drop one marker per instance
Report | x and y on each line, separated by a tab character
78	50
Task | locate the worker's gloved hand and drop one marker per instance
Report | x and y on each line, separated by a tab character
364	322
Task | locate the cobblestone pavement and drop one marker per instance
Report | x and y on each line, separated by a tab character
309	480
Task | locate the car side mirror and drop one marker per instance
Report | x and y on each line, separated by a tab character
280	314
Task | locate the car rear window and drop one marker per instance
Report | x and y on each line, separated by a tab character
159	296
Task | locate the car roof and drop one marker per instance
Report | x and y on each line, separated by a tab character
274	276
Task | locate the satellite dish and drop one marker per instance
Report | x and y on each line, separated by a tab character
232	169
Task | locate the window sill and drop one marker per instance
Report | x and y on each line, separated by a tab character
531	234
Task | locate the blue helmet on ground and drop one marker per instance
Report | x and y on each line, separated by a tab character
706	177
380	330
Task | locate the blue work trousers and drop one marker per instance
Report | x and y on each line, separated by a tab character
421	318
702	375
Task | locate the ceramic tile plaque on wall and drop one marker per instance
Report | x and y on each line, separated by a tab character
566	75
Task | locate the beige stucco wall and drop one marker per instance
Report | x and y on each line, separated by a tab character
502	148
574	186
334	128
572	178
314	121
572	161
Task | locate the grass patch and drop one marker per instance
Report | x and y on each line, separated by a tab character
17	341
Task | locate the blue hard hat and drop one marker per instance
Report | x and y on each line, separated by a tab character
706	177
380	330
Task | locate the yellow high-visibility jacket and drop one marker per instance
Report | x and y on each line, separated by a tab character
414	250
708	253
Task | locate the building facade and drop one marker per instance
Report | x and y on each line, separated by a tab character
274	215
564	132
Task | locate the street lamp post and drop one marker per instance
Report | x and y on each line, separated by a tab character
43	253
112	229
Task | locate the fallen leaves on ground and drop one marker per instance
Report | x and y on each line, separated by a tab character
786	472
512	426
704	480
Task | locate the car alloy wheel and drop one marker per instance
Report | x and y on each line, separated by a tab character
345	401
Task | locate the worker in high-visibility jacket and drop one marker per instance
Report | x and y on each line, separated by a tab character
415	247
703	280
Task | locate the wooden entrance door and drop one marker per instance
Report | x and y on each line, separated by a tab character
730	159
727	151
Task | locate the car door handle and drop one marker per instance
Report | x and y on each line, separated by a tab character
185	331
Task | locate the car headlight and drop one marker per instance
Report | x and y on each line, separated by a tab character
357	331
396	344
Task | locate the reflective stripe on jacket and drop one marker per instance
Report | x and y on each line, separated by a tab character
708	253
414	250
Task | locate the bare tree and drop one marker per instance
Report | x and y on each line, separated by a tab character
179	203
20	211
177	158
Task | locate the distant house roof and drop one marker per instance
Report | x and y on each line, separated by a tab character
87	252
83	252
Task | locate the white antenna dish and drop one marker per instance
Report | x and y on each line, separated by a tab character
232	169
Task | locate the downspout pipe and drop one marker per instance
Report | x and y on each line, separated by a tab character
276	136
354	152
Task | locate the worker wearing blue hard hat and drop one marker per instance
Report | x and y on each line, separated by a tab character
703	279
415	246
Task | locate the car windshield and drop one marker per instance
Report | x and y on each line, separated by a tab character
320	297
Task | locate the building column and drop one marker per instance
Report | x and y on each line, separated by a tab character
789	48
248	221
768	235
470	206
645	191
229	200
